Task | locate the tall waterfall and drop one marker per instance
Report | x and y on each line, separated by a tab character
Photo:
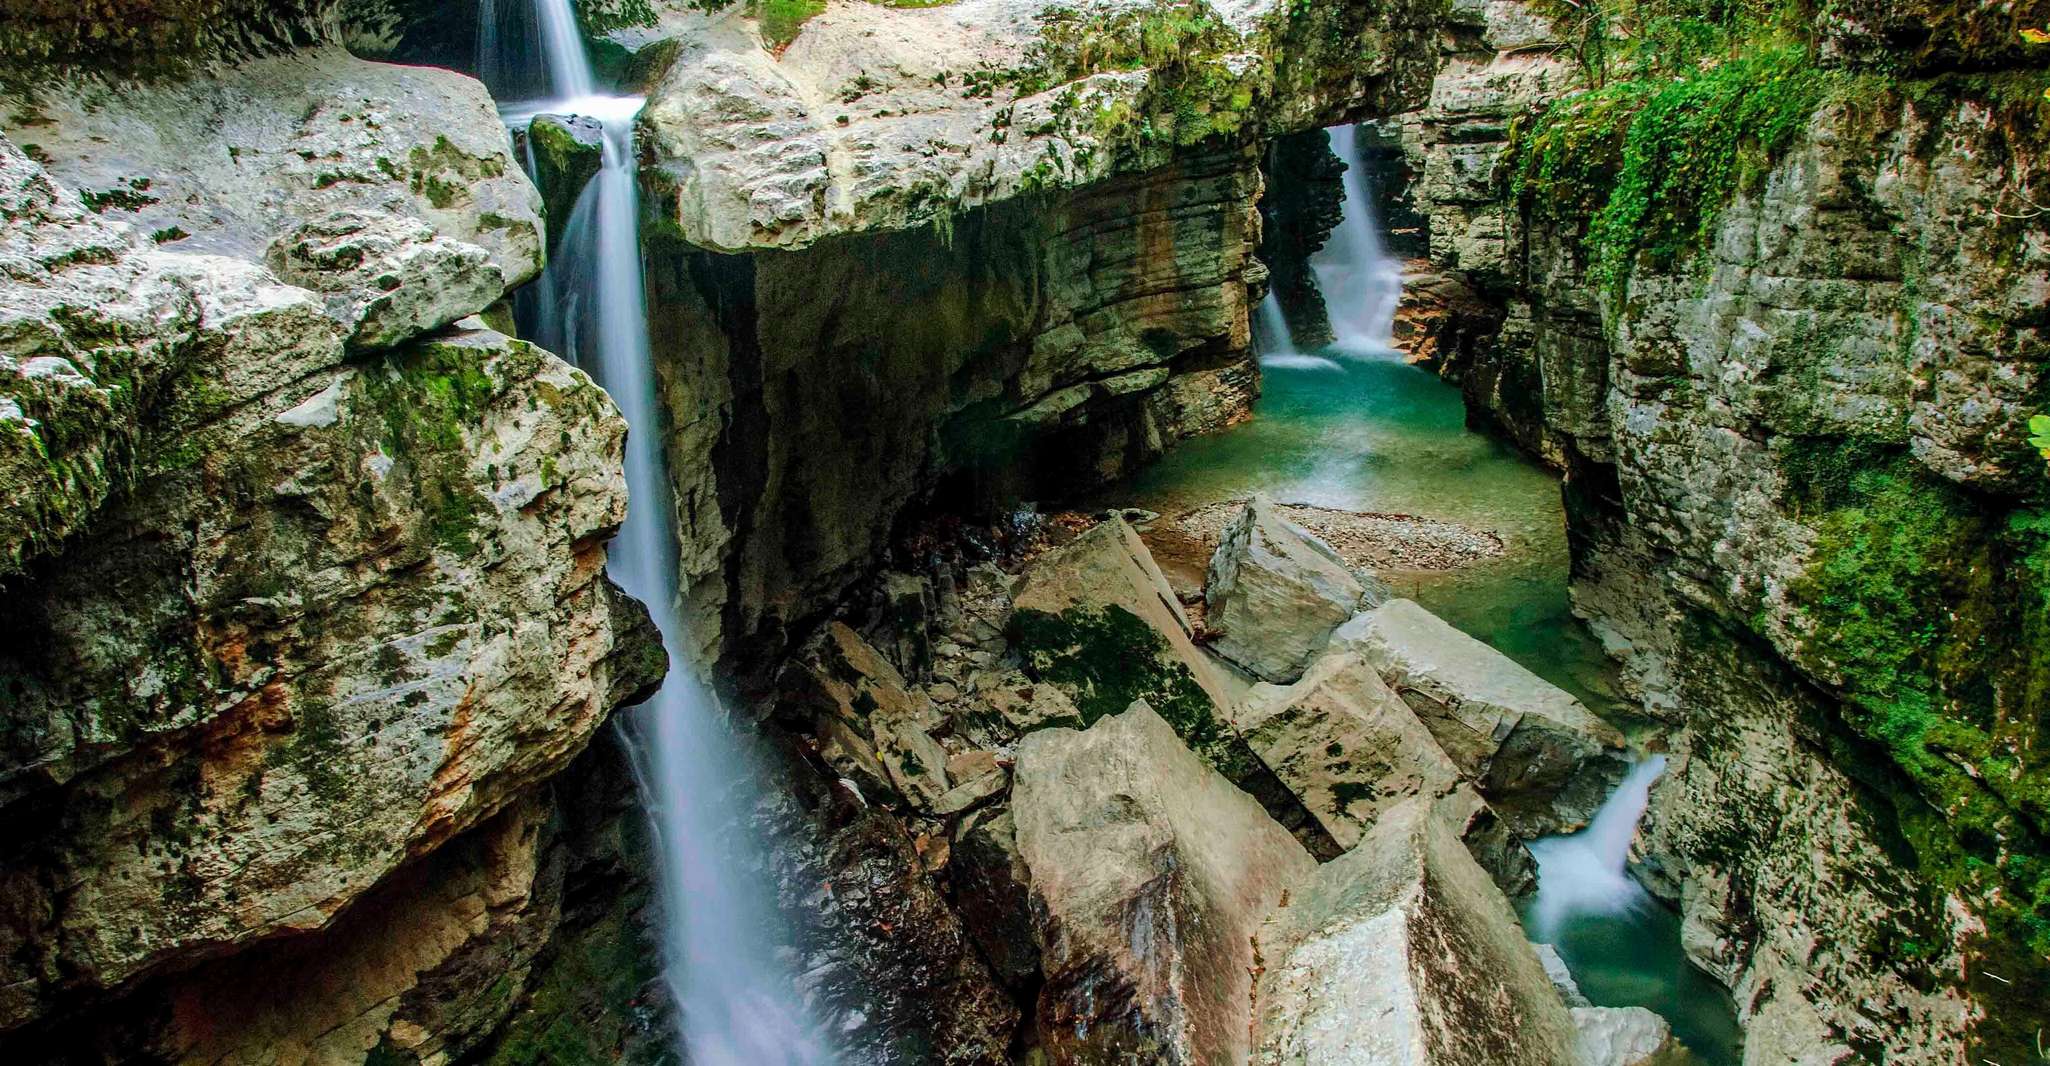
1362	285
698	778
1585	872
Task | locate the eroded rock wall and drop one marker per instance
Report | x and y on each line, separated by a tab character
304	564
1035	349
1802	512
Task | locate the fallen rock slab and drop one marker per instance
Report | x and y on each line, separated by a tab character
1150	874
1403	953
1346	745
1275	594
1532	749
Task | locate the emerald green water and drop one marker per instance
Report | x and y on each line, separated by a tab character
1375	434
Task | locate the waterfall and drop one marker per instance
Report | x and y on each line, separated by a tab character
1362	285
1585	872
1276	346
698	778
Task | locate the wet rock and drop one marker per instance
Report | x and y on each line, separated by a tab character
1539	756
1403	951
871	726
1345	744
994	898
1275	593
566	152
1150	873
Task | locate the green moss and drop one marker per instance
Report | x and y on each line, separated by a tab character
1107	657
429	397
1933	609
444	173
1648	166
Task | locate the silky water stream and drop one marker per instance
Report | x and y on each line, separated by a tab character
722	942
1354	427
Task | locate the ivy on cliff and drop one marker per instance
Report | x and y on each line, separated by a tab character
1646	166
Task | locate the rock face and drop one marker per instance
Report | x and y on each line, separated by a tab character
1402	951
883	118
307	576
1532	749
1275	593
1151	873
1048	347
1620	1036
1804	514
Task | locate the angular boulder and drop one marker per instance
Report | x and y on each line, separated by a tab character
874	729
1096	618
1403	952
1275	593
1346	745
1622	1036
1150	875
1532	749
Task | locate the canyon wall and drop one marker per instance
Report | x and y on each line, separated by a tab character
1779	323
304	561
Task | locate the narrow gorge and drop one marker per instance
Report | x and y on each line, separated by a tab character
1453	532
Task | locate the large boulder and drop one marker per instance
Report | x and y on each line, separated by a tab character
1096	619
1346	744
1275	594
1622	1036
1532	749
1150	875
1403	953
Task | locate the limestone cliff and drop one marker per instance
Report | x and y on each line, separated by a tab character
304	563
1779	319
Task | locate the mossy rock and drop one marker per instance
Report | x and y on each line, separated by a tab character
567	151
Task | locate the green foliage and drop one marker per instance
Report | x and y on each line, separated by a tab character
2039	434
781	20
1649	166
604	16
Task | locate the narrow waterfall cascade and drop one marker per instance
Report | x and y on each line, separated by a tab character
1361	283
1276	347
1622	945
1586	872
736	995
